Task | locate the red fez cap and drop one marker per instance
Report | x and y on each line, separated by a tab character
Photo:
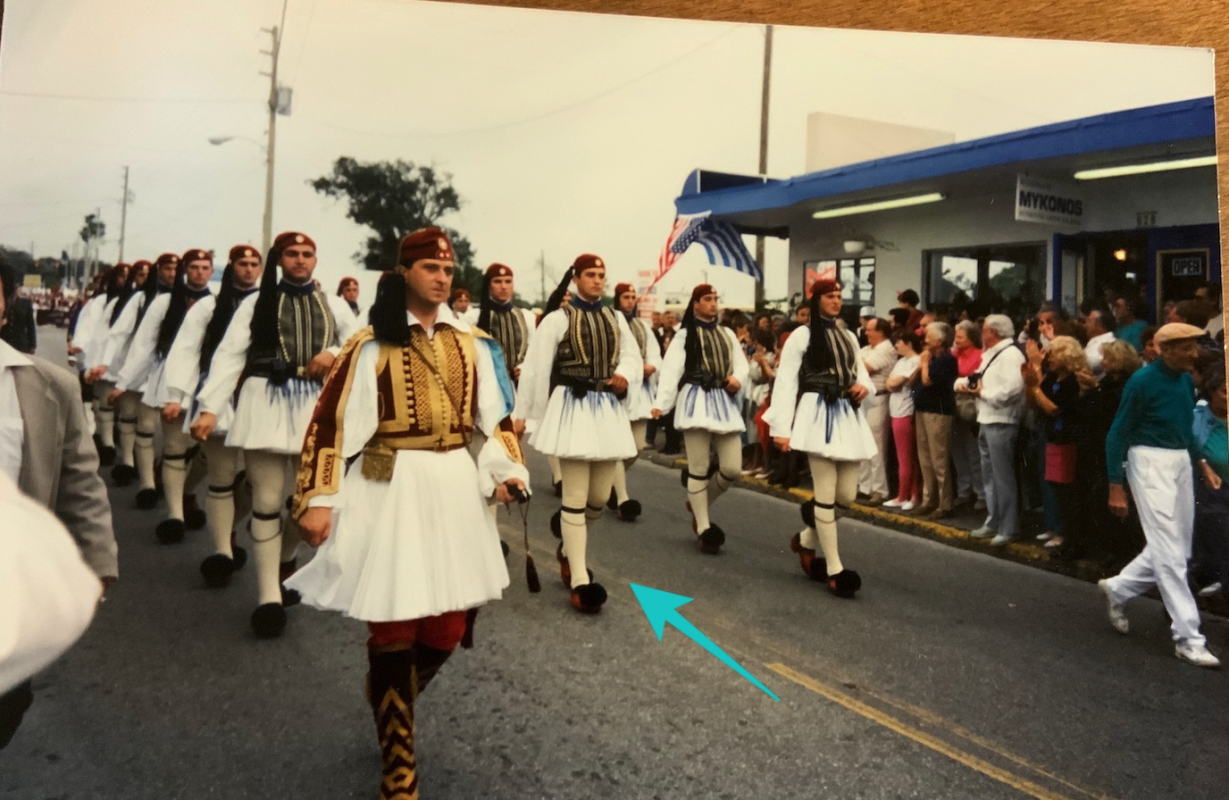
701	291
197	254
123	265
824	286
622	289
141	263
425	243
291	238
242	251
346	281
498	270
587	261
166	258
457	294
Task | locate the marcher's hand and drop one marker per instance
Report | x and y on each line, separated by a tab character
649	369
617	383
107	582
655	413
782	443
314	525
73	350
518	427
320	365
1209	475
732	385
171	412
203	427
113	398
94	374
1118	500
503	495
858	393
516	373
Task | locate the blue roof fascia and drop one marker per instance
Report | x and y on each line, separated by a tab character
1170	122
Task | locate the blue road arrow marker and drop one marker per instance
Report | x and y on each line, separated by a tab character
662	607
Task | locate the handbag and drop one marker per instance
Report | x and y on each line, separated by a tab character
1060	463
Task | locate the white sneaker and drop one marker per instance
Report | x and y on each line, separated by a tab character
1196	654
908	505
1001	539
1210	590
1118	618
984	532
893	503
1045	536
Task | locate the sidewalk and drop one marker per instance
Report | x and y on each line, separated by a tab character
953	532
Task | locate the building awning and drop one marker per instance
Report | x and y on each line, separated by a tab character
759	204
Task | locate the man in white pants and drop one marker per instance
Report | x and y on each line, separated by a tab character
1152	433
879	356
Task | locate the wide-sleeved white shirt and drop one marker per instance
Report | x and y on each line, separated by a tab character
142	352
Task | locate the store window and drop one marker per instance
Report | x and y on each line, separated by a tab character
857	277
986	279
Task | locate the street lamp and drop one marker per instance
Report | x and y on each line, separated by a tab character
267	231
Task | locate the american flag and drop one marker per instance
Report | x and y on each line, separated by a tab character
721	242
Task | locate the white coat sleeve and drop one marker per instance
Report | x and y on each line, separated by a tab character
652	348
359	418
50	592
534	387
494	464
630	366
780	414
183	362
93	349
140	358
228	360
864	375
347	323
671	373
740	368
118	336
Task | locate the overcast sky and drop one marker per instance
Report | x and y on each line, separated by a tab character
565	133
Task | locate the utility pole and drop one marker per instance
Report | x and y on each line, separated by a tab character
94	242
275	33
123	218
759	240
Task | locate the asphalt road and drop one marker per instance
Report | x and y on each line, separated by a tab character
952	675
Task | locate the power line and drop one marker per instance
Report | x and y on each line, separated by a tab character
311	15
537	117
101	99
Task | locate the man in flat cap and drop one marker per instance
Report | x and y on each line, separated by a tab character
415	552
276	352
1152	437
190	359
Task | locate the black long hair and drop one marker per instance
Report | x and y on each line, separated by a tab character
223	312
691	345
387	314
114	286
175	312
486	305
126	294
150	291
818	355
555	302
264	316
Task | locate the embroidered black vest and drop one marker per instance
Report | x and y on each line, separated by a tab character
305	327
841	376
510	330
589	352
713	360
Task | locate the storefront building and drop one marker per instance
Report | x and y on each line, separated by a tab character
1064	212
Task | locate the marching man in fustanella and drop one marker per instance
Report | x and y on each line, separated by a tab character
132	362
583	360
93	340
406	541
276	352
701	380
815	410
114	351
639	400
189	360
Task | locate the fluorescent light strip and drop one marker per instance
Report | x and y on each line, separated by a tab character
882	205
1139	169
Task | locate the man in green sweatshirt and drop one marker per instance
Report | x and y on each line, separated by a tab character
1152	435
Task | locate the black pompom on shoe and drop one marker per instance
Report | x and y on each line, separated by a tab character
710	540
170	531
845	583
588	599
556	524
217	570
290	597
147	499
106	456
123	474
239	555
629	511
269	621
193	515
558	487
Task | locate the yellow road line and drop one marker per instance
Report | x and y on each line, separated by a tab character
919	736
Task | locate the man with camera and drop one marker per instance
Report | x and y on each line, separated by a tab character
999	389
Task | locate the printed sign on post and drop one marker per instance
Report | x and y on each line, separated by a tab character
1048	202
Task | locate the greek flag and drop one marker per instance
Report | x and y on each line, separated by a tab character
721	242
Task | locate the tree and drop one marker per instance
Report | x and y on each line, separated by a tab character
394	198
94	228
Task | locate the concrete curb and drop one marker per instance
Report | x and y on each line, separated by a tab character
1019	552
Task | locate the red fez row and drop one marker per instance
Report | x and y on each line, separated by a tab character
622	289
825	286
346	282
498	270
166	258
292	238
197	254
587	261
241	251
430	243
703	290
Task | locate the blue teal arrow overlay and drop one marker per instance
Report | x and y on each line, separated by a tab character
662	607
